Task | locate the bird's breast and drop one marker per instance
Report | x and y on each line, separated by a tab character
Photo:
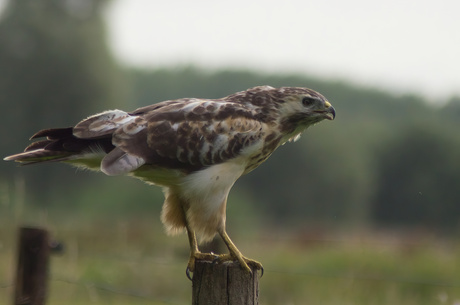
258	154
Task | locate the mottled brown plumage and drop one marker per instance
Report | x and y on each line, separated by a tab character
194	148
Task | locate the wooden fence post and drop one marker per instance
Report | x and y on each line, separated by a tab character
32	269
224	284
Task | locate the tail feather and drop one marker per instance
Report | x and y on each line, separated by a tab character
60	145
37	156
53	133
37	145
84	145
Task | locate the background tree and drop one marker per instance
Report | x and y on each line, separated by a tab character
418	178
55	70
366	166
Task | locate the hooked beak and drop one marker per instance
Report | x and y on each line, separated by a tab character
329	113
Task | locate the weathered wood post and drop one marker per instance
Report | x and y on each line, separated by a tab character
224	284
32	267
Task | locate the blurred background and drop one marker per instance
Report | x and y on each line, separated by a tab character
361	210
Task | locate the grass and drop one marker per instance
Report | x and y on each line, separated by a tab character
131	261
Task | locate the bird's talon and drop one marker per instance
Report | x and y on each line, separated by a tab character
187	272
212	257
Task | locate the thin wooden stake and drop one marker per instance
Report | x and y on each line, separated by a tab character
32	269
224	284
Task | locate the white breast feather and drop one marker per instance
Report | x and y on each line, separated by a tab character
207	191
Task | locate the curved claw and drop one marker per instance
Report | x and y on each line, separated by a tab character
256	265
262	270
199	256
187	273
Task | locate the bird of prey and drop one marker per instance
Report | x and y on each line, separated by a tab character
195	149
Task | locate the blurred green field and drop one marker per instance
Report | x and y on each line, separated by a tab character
390	159
131	261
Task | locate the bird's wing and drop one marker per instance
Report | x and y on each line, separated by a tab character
187	135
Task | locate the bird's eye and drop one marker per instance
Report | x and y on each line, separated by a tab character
308	100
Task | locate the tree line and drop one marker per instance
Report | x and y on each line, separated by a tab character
387	159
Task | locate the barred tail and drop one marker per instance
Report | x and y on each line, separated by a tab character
88	144
60	145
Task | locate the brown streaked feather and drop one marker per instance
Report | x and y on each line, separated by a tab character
101	125
149	109
189	136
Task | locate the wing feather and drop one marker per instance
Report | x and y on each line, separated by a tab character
118	162
101	124
190	136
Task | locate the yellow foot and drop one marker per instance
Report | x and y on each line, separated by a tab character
236	254
214	258
199	256
244	262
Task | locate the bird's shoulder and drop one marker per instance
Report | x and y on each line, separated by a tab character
194	109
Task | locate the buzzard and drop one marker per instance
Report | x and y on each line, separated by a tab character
195	149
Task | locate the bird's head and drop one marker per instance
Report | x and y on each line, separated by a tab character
293	109
299	108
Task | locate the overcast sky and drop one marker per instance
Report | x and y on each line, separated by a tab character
399	44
